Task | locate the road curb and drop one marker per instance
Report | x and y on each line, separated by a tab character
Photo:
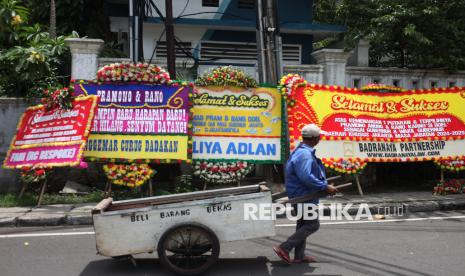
46	220
83	219
457	204
8	222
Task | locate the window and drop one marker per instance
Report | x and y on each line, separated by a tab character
220	50
396	83
210	3
356	83
246	4
452	84
433	84
376	81
415	84
180	49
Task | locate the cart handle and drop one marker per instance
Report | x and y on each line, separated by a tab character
316	195
102	205
284	193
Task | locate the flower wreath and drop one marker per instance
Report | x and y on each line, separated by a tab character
222	172
129	175
452	186
143	73
58	98
379	87
288	85
454	164
133	72
226	76
347	166
34	174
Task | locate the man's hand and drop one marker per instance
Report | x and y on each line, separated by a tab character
330	189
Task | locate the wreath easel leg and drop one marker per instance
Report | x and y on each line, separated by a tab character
138	190
42	192
204	185
357	180
108	189
23	190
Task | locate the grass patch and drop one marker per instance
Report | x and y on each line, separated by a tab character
28	199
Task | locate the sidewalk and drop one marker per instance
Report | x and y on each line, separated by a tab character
80	214
47	215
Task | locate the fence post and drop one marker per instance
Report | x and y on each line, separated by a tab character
334	65
84	57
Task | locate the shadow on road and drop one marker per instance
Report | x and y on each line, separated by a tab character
123	267
348	260
259	266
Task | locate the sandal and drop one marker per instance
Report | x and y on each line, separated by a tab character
282	254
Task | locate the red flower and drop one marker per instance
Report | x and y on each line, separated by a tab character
40	172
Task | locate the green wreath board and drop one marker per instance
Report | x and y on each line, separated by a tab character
235	119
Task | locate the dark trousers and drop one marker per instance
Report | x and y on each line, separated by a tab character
298	240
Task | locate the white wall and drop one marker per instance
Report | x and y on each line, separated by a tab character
404	76
11	110
311	73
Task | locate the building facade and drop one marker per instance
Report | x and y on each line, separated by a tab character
211	32
222	32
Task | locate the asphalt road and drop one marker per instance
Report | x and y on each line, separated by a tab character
421	246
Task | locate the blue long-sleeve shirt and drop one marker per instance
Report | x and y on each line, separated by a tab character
305	173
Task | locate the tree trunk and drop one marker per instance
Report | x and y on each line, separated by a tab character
53	20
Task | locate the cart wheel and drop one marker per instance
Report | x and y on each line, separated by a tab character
188	249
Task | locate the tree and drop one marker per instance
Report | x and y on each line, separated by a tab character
29	58
12	16
402	33
86	17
